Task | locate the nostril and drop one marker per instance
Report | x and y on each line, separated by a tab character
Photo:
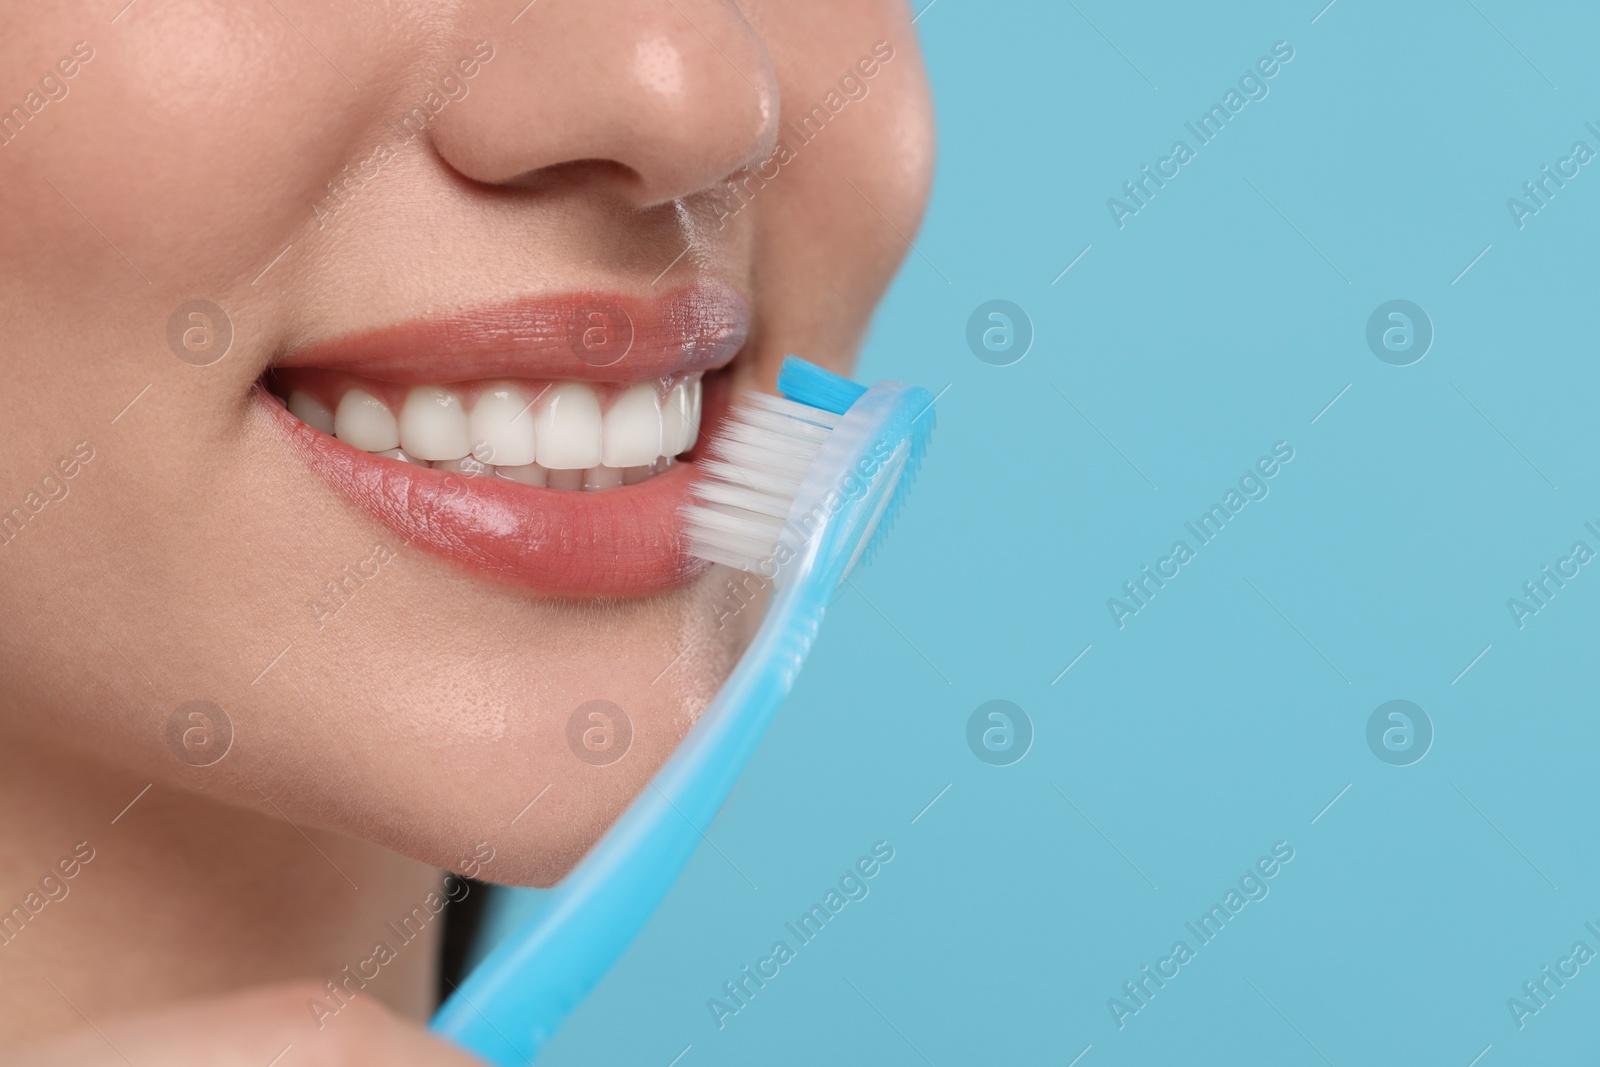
575	175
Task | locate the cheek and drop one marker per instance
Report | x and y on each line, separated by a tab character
194	139
906	130
883	143
826	235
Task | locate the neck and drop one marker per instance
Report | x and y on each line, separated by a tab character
116	899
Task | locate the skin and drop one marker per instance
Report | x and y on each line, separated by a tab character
408	734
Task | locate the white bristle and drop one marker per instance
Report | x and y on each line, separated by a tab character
792	409
755	468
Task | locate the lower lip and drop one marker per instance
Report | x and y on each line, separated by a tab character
626	541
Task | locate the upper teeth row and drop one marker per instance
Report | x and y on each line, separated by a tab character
562	428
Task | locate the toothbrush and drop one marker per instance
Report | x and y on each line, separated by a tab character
799	488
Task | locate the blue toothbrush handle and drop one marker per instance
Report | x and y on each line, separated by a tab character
514	1000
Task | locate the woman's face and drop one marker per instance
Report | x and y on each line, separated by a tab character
557	235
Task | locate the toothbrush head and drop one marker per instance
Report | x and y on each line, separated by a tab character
812	479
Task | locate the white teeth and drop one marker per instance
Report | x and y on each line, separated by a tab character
311	412
631	429
466	465
395	453
693	432
529	474
562	441
501	427
602	478
566	479
365	422
567	426
433	425
676	430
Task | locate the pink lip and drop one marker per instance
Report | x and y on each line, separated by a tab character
587	336
626	541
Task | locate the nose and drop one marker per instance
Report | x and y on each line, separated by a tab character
669	96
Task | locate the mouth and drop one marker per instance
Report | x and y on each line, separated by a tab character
545	443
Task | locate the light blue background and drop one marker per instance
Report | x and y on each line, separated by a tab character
1221	319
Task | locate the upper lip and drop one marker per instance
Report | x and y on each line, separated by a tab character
591	336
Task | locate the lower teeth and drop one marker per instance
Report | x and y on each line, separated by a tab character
593	480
